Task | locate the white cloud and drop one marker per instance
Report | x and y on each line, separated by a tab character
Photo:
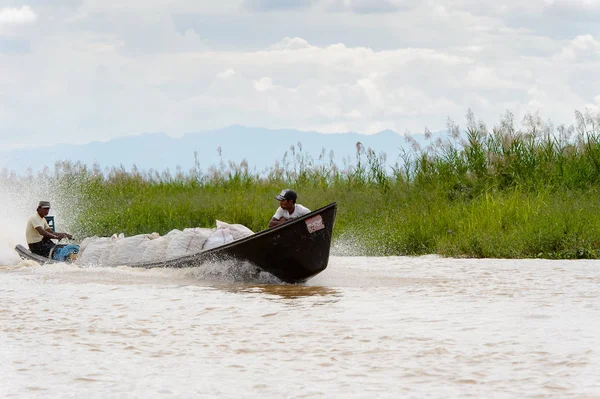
372	88
581	48
370	6
133	69
574	5
268	5
354	114
91	7
263	84
17	16
486	77
595	106
13	23
230	72
291	43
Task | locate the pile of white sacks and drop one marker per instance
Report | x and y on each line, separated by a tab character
120	250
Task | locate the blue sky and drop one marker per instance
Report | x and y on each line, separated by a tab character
89	70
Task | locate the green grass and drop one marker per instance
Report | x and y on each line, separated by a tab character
507	192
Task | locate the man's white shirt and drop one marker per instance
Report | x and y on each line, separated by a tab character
31	234
299	210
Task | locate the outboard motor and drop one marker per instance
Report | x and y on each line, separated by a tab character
62	252
65	252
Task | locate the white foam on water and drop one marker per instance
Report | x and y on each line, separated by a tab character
207	273
8	256
18	200
349	244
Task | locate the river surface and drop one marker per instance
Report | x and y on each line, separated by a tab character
422	327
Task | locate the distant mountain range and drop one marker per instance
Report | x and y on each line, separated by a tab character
261	148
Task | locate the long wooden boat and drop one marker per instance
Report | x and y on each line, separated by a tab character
24	253
293	252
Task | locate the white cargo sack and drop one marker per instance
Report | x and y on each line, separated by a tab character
217	238
187	242
126	250
154	250
119	250
92	249
237	230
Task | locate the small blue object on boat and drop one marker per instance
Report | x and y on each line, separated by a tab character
65	252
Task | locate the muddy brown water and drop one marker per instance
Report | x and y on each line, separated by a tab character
366	327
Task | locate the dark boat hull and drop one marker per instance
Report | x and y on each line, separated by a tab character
25	253
293	252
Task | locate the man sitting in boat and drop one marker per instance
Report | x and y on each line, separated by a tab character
288	209
38	233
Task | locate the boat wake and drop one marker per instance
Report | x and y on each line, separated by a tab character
231	272
208	273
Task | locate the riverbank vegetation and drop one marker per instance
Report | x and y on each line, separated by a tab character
511	191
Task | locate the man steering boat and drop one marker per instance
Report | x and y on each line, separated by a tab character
39	234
